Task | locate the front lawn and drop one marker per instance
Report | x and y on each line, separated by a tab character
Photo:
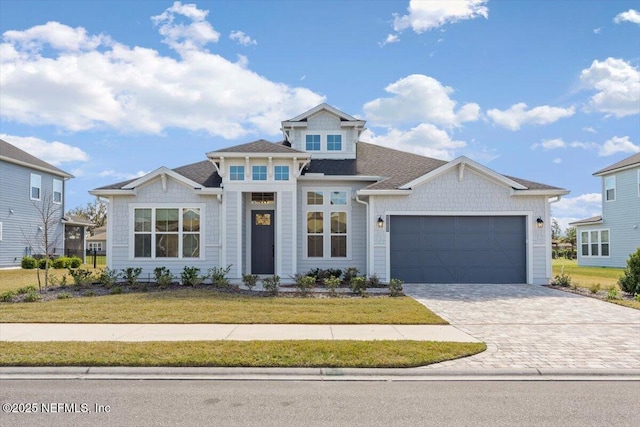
189	305
338	354
586	277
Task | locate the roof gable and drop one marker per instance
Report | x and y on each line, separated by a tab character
13	154
326	107
161	172
260	146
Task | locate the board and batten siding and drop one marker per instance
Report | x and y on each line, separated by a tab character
120	211
622	218
19	215
287	229
357	251
474	195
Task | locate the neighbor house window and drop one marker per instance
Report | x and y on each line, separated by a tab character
236	173
259	173
167	232
334	142
57	191
95	246
36	186
281	173
594	243
327	214
312	142
610	188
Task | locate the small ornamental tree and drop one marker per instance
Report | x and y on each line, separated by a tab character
630	281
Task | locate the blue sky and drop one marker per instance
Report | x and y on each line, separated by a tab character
109	90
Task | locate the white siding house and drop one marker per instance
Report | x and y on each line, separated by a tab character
324	199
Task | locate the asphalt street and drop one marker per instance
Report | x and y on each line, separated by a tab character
314	403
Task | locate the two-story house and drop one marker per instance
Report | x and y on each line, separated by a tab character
26	184
607	240
322	198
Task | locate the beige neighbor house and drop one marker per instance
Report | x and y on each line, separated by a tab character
324	199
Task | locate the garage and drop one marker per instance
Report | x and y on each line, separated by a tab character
458	249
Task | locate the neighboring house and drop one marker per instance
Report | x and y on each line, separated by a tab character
75	236
26	183
98	241
607	240
323	199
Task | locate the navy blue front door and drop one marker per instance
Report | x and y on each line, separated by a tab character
262	242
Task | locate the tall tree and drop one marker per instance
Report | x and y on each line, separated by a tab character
556	231
95	212
570	236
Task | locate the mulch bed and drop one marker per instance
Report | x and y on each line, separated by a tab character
601	294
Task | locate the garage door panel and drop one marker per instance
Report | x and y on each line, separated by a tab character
463	249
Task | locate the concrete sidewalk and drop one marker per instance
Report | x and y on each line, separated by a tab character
228	332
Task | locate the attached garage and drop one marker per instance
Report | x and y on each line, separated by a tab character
458	249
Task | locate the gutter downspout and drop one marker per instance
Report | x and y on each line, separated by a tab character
367	227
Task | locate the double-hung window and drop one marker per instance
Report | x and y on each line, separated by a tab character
36	186
236	173
259	173
57	191
594	243
281	173
166	232
312	142
610	188
334	142
327	215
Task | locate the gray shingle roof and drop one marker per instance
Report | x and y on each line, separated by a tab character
629	161
395	167
259	146
13	153
585	221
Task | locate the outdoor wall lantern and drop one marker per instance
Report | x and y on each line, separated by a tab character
539	222
380	222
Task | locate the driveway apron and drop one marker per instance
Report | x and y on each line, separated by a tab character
529	326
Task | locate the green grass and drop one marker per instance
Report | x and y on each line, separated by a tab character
210	306
587	276
10	280
352	354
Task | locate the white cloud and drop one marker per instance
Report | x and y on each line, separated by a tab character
54	152
618	145
424	139
242	38
194	34
597	30
550	144
557	160
517	115
584	145
110	173
426	15
419	98
630	15
580	207
589	129
617	84
391	38
136	89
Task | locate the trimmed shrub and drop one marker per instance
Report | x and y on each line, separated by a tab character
130	276
250	280
358	285
218	276
190	276
374	281
332	284
630	280
109	277
395	287
81	277
31	297
349	274
28	263
7	296
163	276
562	279
271	284
75	262
61	262
42	263
305	284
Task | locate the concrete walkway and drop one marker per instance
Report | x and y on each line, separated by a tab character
229	332
526	326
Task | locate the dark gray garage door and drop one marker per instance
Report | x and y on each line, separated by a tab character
458	249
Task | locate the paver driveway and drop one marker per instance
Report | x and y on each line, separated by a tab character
528	326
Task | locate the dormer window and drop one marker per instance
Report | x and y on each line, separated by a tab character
312	142
334	142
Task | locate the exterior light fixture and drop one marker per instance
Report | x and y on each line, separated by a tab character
539	223
380	222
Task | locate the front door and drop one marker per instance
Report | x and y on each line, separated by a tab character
262	242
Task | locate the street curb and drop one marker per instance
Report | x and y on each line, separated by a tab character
315	374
